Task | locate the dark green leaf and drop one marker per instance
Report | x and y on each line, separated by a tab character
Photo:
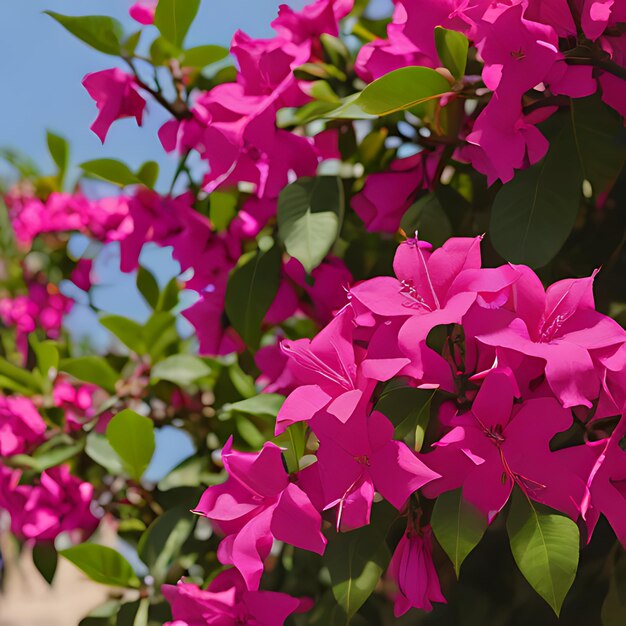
427	217
458	526
99	31
132	436
452	49
174	17
533	214
162	542
148	287
126	330
45	559
201	56
22	377
408	408
182	369
60	152
251	289
357	559
162	51
614	606
103	565
111	170
545	545
91	369
310	214
601	140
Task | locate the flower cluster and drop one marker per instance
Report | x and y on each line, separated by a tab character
518	363
523	46
57	503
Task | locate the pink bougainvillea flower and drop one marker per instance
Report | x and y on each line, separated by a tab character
502	140
602	465
497	445
255	505
559	325
116	97
431	288
387	195
143	11
227	601
58	503
413	571
326	287
315	19
76	401
361	456
326	368
21	425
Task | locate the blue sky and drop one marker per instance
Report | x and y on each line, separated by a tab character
42	67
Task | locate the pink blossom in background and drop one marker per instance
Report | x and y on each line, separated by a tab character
143	11
227	601
387	195
116	97
57	503
21	425
413	571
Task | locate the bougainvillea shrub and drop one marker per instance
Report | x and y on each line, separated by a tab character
394	344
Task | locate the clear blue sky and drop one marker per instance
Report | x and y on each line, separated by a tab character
42	66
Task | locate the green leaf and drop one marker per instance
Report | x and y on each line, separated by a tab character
174	17
23	378
111	170
162	51
159	333
458	526
45	558
201	56
614	606
251	289
452	49
357	559
182	369
148	287
533	214
545	545
103	565
396	91
60	152
99	31
222	209
47	355
163	540
42	461
600	140
126	330
427	217
293	443
310	213
132	436
148	173
169	296
264	405
408	408
98	448
91	369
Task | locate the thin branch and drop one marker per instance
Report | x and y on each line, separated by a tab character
178	109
